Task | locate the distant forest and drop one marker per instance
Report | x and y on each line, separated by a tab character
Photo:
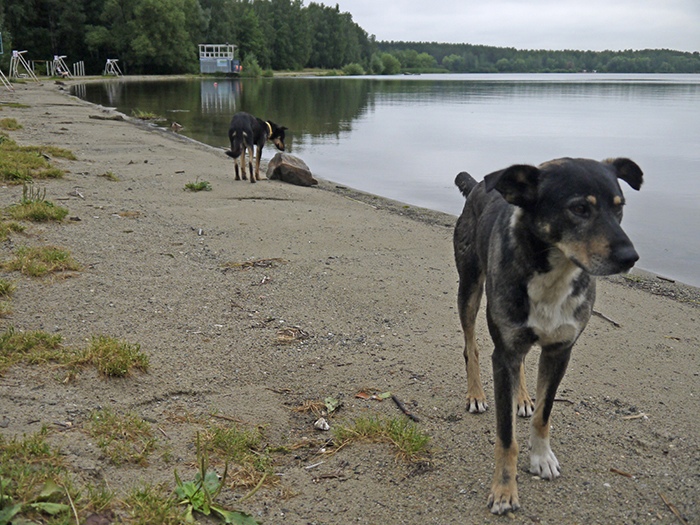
161	37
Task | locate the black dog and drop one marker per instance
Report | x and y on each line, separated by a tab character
536	242
246	131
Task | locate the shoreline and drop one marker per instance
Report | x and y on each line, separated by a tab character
210	285
647	280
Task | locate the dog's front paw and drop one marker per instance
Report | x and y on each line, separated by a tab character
476	404
525	407
543	462
503	498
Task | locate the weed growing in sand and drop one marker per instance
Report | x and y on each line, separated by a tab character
198	185
124	438
9	124
7	288
34	207
148	505
110	176
40	261
405	435
198	495
20	164
6	227
31	347
15	105
33	481
241	448
115	358
145	115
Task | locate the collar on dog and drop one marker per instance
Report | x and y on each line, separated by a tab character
269	127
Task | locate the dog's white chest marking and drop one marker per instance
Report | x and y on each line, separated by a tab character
552	305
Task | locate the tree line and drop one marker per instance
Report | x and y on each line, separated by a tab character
161	37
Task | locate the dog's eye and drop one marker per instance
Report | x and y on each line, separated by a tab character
580	210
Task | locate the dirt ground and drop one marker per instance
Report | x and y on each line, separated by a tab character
373	284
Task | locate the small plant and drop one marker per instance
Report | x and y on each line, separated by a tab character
29	347
40	261
410	441
114	358
33	480
145	115
7	288
240	447
20	164
10	124
198	495
6	227
34	206
123	438
110	176
198	185
149	505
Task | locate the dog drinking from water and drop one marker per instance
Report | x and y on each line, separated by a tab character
246	132
535	237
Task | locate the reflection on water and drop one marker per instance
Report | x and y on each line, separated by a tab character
406	137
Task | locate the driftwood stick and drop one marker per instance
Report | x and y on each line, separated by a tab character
673	509
611	321
403	409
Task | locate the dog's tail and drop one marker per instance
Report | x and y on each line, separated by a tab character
465	183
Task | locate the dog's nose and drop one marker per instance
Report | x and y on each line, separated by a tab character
625	256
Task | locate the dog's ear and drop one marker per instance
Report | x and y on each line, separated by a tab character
628	171
518	184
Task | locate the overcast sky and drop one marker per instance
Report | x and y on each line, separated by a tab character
533	24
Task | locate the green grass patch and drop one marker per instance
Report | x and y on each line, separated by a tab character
145	115
34	207
9	124
20	164
111	357
34	483
16	105
41	261
110	176
32	347
114	358
411	443
123	438
7	227
198	185
154	504
242	448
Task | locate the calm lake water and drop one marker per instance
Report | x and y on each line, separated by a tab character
406	137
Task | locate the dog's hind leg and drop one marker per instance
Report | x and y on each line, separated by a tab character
525	405
250	164
468	300
552	366
258	155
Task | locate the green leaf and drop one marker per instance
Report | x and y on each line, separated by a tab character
235	517
211	482
50	508
383	396
49	489
8	513
331	403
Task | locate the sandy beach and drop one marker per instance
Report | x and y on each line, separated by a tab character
252	299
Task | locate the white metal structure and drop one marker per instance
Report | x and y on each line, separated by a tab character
111	67
18	60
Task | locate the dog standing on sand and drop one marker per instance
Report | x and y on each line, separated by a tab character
536	237
246	132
